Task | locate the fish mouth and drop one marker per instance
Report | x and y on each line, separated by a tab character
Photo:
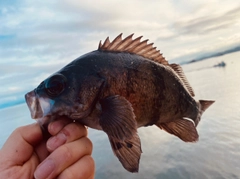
34	105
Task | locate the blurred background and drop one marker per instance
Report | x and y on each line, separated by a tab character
37	38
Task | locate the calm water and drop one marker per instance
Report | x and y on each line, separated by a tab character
215	156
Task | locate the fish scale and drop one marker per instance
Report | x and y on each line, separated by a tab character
123	85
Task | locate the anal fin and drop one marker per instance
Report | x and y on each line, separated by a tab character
182	128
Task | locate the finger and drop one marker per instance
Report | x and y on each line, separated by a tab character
63	157
41	151
29	167
82	169
69	133
19	146
56	126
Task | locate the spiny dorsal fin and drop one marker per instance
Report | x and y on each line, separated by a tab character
178	69
134	46
142	48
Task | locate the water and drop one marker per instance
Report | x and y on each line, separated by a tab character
215	156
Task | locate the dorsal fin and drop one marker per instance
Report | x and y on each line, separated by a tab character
178	69
142	48
134	46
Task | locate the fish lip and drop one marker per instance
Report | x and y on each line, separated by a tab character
33	105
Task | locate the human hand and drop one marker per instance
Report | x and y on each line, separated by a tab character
67	154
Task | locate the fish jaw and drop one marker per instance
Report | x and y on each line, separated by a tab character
38	106
33	105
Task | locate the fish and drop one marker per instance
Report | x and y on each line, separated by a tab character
123	85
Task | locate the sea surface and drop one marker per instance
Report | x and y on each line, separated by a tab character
215	156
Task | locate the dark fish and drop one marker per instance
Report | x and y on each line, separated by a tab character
123	85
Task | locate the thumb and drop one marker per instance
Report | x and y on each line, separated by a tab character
20	145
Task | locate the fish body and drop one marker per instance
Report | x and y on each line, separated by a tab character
124	85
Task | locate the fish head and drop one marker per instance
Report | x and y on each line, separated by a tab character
56	96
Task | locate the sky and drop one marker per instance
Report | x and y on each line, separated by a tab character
39	37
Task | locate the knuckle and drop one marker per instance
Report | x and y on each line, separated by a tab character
74	130
18	130
66	132
67	174
66	152
79	127
58	125
82	128
88	145
90	162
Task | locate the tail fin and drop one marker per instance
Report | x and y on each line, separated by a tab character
204	104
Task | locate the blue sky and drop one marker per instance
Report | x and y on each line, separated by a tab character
39	37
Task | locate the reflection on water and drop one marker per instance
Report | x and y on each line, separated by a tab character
215	156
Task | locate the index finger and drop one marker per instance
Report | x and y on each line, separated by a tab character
69	133
57	125
63	157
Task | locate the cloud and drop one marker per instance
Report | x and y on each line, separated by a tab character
39	37
66	29
206	24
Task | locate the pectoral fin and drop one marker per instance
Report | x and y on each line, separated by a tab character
118	121
182	128
117	118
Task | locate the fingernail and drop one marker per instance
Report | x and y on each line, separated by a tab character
44	169
56	141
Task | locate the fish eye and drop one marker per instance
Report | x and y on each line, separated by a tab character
55	85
